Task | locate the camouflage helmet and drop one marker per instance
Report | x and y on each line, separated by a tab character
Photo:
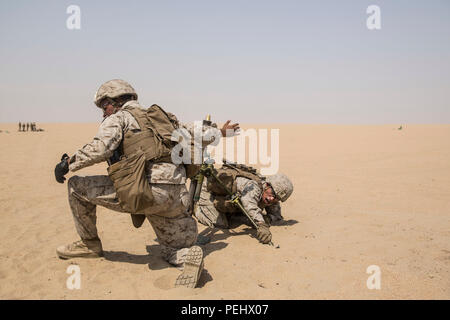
113	89
281	185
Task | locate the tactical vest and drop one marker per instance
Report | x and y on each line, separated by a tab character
154	139
151	143
228	174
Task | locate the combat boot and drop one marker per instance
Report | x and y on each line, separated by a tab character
193	267
81	249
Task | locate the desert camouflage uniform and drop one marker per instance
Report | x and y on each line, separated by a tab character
212	210
175	229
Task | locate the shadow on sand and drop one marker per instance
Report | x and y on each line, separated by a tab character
154	260
210	239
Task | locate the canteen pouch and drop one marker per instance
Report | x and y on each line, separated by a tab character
130	182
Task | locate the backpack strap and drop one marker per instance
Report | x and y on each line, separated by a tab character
139	115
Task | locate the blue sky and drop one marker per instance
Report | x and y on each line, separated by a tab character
250	61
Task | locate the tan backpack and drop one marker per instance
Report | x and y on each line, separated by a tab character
228	174
152	142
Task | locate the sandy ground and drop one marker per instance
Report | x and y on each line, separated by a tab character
364	195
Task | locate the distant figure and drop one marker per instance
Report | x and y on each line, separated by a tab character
28	125
20	126
23	126
33	126
400	128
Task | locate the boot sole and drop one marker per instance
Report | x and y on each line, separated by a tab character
89	255
193	267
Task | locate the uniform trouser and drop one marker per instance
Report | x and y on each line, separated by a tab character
207	213
175	229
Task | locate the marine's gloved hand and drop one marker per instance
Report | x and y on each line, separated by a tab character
62	168
263	233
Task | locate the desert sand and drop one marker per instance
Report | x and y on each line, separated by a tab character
364	195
